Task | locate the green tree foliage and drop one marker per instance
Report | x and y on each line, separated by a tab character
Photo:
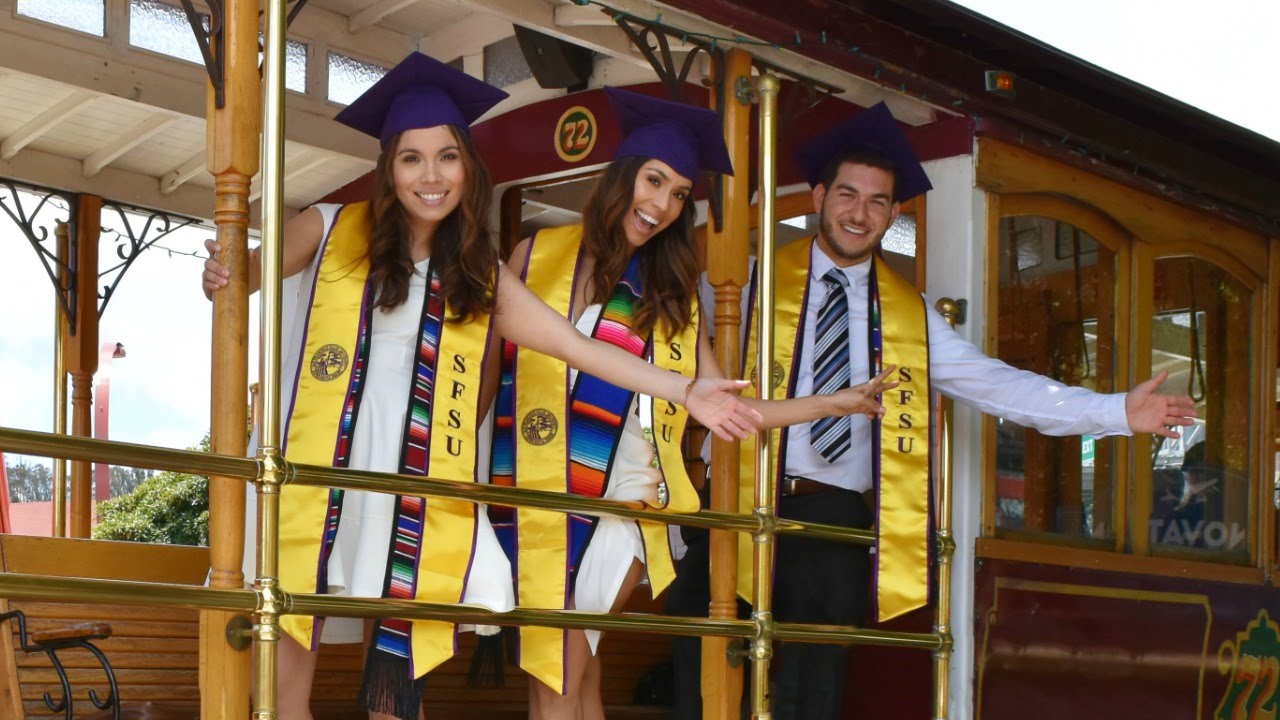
169	507
33	481
28	481
125	479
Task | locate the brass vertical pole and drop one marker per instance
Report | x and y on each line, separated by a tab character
946	545
62	231
727	273
232	159
267	627
762	595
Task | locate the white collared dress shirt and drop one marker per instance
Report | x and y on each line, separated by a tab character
957	369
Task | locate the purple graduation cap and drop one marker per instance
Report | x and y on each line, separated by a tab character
872	129
685	137
420	92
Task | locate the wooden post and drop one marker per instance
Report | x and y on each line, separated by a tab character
82	356
727	273
233	161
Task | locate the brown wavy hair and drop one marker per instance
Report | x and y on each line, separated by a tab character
462	249
668	261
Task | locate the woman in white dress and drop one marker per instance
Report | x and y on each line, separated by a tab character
386	289
627	275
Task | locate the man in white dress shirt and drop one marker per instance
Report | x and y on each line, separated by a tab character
860	172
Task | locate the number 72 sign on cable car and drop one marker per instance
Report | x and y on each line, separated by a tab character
575	134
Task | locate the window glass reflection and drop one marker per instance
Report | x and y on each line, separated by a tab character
1201	335
1056	318
87	16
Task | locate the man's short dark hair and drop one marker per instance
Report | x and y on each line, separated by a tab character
868	156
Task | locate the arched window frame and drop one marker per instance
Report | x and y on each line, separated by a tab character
1159	226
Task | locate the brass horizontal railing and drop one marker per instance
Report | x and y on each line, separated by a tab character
154	458
20	586
24	586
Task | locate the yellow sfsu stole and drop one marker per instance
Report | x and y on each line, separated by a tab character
542	391
901	469
322	393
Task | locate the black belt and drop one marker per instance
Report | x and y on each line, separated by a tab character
794	485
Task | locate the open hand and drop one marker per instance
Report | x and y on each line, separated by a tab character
864	399
1152	412
715	404
215	274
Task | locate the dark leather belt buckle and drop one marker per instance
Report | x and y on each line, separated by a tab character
793	486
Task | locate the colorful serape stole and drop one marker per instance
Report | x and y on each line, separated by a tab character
502	458
598	410
388	668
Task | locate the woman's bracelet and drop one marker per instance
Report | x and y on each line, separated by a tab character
688	389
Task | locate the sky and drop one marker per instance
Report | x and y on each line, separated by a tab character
160	389
1220	56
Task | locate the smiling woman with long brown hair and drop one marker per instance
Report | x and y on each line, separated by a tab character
627	276
397	298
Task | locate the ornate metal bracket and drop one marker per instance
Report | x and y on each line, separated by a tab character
37	226
64	704
212	41
131	241
654	42
212	44
293	11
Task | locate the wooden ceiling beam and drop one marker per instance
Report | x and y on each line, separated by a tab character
179	176
126	141
468	36
44	122
375	13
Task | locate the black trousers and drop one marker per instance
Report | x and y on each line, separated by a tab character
818	581
815	582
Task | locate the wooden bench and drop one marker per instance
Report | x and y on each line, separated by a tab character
154	651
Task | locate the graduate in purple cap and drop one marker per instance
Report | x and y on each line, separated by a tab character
843	315
626	276
400	302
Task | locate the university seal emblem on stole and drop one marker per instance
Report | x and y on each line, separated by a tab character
329	362
539	427
777	375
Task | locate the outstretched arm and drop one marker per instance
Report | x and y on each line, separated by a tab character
1152	412
860	399
524	319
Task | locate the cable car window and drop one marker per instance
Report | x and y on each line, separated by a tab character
1201	335
349	77
295	66
1056	306
164	28
88	16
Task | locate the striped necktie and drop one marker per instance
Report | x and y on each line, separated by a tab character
831	436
